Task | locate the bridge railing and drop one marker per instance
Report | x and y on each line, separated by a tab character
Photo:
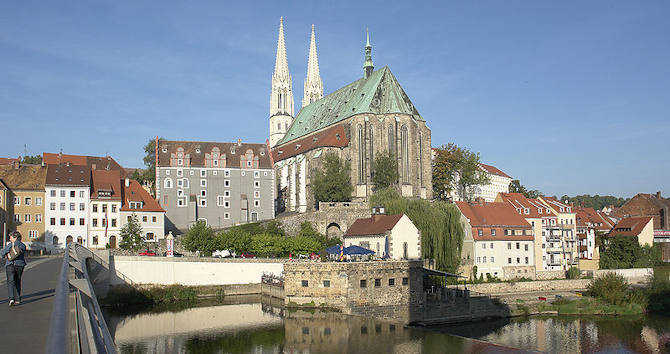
77	324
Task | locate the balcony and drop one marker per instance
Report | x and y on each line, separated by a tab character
559	226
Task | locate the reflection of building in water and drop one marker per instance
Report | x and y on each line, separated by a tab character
540	334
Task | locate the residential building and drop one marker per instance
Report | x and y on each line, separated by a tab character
137	202
357	122
653	205
223	184
67	201
550	250
499	183
590	224
566	225
498	240
389	236
92	162
104	213
23	202
641	228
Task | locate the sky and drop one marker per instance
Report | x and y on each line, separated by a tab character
570	97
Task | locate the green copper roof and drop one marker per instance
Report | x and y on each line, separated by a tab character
380	93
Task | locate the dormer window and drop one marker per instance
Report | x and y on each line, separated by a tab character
280	152
262	152
197	150
232	151
297	146
164	150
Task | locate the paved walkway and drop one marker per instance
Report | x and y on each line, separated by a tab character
25	327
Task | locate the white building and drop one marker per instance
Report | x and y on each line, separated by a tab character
498	241
392	236
500	182
105	209
137	202
67	198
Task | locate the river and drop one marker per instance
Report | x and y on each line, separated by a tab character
252	326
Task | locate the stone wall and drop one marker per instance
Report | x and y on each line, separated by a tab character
331	219
633	275
390	290
550	274
588	264
528	286
511	272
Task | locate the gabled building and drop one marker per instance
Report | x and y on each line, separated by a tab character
92	162
137	202
590	224
498	240
566	225
68	195
642	228
105	209
222	184
389	236
23	202
653	205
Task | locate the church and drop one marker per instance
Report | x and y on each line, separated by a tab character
371	115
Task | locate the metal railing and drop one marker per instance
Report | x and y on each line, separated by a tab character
77	324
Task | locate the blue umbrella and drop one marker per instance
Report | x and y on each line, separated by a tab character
356	250
333	249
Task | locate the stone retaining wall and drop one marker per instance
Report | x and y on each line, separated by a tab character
528	286
634	275
550	274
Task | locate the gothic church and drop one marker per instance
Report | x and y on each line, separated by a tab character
371	115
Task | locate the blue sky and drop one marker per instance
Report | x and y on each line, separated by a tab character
569	97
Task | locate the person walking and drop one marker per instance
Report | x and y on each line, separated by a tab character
14	256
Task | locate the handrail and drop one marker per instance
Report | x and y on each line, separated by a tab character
86	325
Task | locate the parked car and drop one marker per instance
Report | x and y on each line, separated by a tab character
174	254
148	252
247	255
223	254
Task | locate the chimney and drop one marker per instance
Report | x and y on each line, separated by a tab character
658	194
127	182
93	166
239	142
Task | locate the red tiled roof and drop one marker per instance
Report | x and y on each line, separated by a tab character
135	193
498	216
334	136
104	180
494	170
375	225
630	226
522	204
68	175
197	150
590	217
23	177
93	162
8	160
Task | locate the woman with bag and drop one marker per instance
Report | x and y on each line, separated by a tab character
14	255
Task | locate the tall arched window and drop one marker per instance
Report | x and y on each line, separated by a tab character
372	148
279	100
391	141
404	146
168	183
420	159
361	156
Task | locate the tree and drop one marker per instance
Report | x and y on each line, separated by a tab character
200	237
148	174
596	202
516	187
625	252
385	170
457	168
131	235
32	160
332	183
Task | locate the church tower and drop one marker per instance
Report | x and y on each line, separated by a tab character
368	66
281	96
313	85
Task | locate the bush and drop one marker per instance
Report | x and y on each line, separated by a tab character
200	237
658	292
611	288
573	273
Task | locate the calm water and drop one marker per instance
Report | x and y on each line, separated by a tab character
264	328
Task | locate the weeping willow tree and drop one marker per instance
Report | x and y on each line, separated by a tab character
439	224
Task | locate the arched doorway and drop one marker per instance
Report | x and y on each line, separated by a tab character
112	241
333	230
54	241
68	239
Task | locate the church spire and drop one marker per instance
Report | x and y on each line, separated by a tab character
281	96
368	66
313	90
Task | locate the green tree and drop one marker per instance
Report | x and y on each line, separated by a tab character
331	183
32	160
438	222
596	202
148	174
516	187
457	168
200	237
131	235
625	252
385	171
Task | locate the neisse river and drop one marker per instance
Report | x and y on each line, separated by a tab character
265	328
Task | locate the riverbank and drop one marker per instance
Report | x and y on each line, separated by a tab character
583	305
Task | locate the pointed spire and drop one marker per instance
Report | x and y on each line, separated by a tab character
281	64
313	90
368	66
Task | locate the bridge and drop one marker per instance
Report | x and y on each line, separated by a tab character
59	312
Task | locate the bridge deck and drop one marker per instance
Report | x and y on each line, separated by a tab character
25	327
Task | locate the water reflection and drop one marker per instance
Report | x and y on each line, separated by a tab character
267	328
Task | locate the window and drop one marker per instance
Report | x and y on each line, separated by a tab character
62	206
405	281
153	219
62	221
517	245
326	283
509	245
484	259
113	222
72	207
82	221
38	201
491	245
226	173
257	194
480	232
149	236
95	208
72	194
53	193
82	206
113	208
216	163
168	183
479	259
180	172
28	201
483	245
243	173
391	141
203	173
165	201
254	216
226	216
226	204
226	193
71	221
95	222
180	183
26	218
219	200
305	283
525	247
17	201
526	260
82	194
203	202
190	173
52	206
391	281
203	183
378	282
492	259
186	183
62	193
257	174
104	208
509	260
404	145
361	156
144	218
226	183
17	217
181	202
363	283
167	172
518	260
33	233
493	232
52	221
95	240
257	184
38	217
257	203
203	193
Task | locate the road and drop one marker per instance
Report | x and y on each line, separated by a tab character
25	327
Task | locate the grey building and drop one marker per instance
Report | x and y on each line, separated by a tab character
223	184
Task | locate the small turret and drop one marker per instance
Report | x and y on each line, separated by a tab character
368	66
